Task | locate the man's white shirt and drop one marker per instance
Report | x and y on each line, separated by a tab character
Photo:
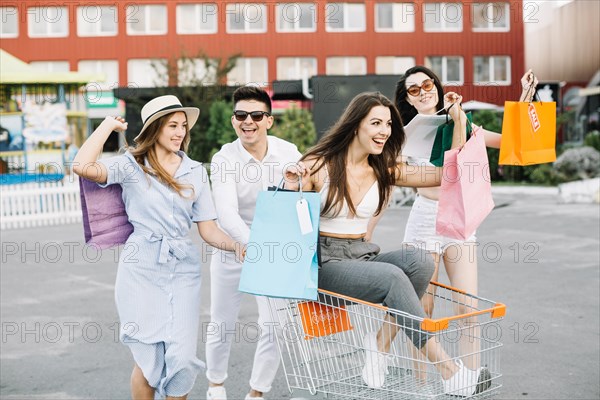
237	178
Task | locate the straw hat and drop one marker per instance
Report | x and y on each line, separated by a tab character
163	105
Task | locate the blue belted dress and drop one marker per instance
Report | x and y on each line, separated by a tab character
157	290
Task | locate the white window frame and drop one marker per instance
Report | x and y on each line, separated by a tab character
444	74
99	68
285	7
299	73
34	17
160	62
248	72
399	11
346	59
132	10
233	8
492	71
83	16
208	76
51	66
201	13
442	27
397	70
330	7
5	16
489	17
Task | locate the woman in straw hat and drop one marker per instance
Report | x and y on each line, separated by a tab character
157	290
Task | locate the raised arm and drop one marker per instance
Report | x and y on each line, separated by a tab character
429	176
85	163
528	84
452	104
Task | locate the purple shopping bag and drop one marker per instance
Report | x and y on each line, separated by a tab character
466	192
105	222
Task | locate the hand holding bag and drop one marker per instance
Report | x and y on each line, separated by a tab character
281	257
105	222
443	140
528	133
466	191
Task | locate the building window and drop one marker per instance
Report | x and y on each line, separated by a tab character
450	69
345	17
246	18
51	66
493	69
108	68
197	71
48	22
296	17
197	18
491	17
289	68
146	20
346	66
393	65
443	17
394	17
9	25
249	70
147	72
97	21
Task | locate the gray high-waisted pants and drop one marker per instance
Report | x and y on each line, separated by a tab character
397	279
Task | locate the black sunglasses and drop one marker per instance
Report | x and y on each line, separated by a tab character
255	115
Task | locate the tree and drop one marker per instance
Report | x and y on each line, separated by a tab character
296	126
199	87
219	129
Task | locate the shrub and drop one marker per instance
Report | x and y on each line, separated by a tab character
296	126
592	139
219	129
578	163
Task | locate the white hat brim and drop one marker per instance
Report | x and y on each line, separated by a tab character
192	114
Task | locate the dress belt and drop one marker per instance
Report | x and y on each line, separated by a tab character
168	245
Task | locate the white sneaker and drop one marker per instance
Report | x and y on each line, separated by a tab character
375	368
216	393
467	382
253	398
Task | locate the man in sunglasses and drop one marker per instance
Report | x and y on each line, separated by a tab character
239	171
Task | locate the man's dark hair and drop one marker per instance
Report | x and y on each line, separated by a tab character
252	93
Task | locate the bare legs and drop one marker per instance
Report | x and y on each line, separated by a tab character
140	390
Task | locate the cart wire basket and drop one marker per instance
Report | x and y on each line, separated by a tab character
324	346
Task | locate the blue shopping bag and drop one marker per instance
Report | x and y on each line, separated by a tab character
280	260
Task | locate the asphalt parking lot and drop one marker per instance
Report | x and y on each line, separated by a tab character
540	258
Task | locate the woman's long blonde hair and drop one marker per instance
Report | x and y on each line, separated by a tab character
144	149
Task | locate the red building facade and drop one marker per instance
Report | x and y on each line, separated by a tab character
477	47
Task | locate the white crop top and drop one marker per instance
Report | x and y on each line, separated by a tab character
342	224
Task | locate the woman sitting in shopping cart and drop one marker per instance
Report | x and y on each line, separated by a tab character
354	168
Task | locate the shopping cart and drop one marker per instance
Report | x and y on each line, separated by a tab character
322	351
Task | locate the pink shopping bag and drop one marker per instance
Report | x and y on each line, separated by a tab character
466	192
105	222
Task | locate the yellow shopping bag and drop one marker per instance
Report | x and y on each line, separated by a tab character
528	133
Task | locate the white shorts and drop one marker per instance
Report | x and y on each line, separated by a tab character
420	227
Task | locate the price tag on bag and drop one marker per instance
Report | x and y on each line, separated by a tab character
304	216
533	117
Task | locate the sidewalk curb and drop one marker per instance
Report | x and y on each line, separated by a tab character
530	190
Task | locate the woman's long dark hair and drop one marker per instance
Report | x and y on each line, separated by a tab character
332	151
407	111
